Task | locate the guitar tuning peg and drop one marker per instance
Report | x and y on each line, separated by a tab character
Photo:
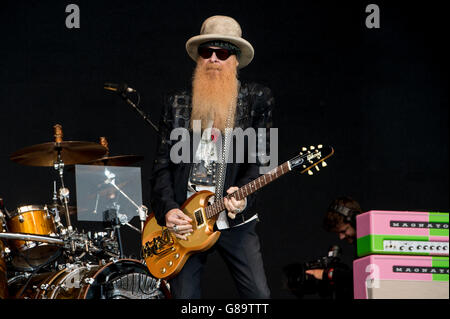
311	147
304	149
317	168
310	173
319	146
324	164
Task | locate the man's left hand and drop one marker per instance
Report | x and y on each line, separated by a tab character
233	205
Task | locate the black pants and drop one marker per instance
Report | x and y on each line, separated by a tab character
240	249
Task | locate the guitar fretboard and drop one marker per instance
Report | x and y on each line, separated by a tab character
250	188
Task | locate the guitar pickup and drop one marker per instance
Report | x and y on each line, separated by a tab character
199	217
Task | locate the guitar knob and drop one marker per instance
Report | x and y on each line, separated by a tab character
177	255
170	263
163	270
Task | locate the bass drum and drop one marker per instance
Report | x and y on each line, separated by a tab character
3	279
123	279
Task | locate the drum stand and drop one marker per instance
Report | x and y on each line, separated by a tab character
142	210
122	219
58	165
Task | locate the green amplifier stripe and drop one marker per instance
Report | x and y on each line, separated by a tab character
439	262
374	244
438	217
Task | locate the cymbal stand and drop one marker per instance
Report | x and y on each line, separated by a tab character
59	166
64	197
54	210
63	191
116	221
142	210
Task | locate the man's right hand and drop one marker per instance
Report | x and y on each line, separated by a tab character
317	273
179	223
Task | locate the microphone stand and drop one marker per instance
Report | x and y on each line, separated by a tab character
145	117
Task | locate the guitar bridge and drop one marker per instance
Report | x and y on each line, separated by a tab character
160	245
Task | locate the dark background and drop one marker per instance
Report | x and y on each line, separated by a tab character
378	96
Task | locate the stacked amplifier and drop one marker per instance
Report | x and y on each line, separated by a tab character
403	255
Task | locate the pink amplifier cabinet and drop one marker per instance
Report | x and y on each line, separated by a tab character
402	233
401	277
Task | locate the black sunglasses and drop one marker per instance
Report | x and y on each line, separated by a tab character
221	54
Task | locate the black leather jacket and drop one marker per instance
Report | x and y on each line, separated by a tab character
169	180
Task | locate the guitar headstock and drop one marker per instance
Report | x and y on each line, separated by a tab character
310	157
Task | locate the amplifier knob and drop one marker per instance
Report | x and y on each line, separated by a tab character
411	248
402	247
425	247
438	248
419	247
445	248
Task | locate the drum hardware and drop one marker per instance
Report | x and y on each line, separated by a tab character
118	279
31	236
72	246
57	154
3	254
142	210
115	217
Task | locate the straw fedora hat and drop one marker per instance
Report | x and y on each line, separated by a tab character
221	28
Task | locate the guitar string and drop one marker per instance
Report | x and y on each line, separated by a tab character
218	207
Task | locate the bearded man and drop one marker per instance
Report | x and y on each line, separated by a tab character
219	101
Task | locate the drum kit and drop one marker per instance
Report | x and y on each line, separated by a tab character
41	257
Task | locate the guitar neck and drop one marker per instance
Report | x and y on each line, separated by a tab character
250	188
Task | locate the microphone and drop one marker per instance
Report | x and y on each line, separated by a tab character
119	88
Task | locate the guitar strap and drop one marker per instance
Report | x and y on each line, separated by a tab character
222	165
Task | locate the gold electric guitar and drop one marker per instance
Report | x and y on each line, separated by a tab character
165	255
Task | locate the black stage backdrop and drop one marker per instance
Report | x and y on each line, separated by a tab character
378	96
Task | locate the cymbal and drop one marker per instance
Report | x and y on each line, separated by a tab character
120	160
72	152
